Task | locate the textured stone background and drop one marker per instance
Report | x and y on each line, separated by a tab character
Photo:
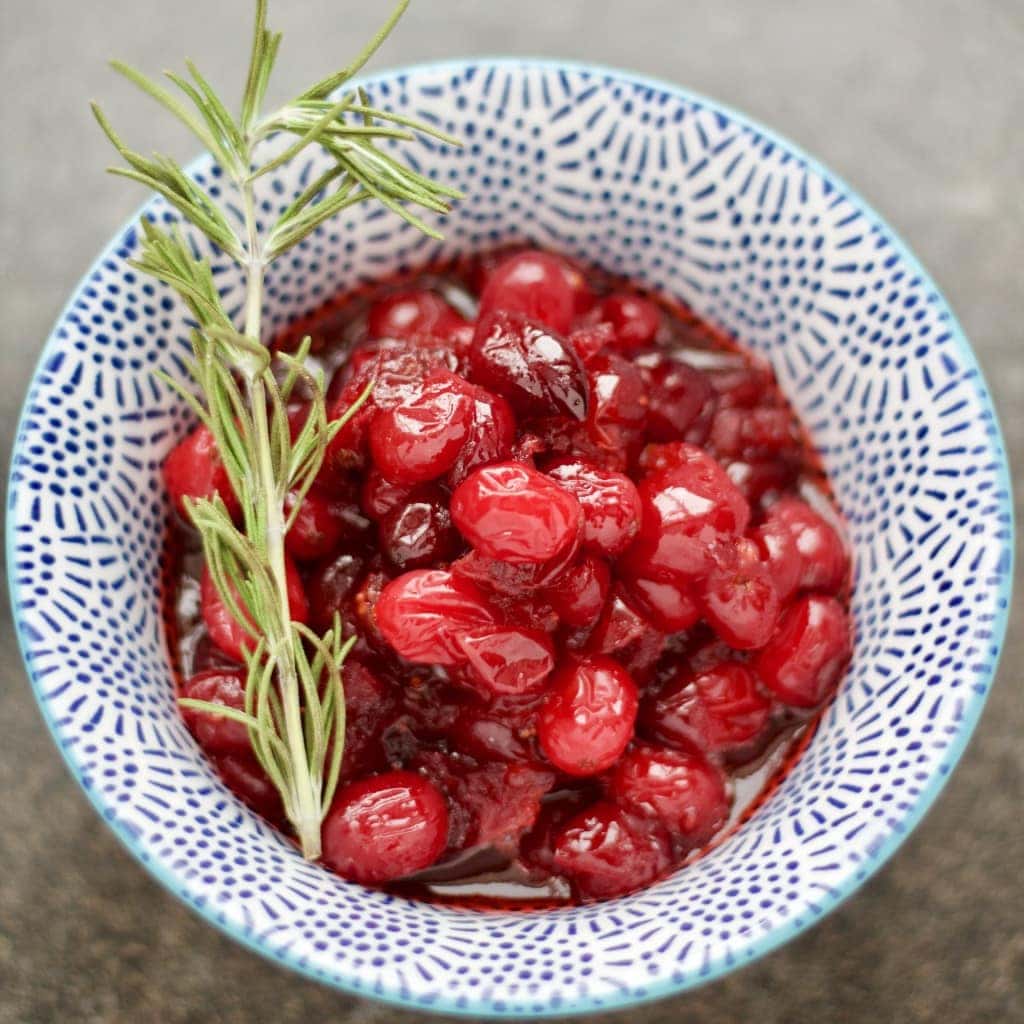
916	102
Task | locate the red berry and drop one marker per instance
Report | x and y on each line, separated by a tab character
245	777
717	711
683	791
511	512
534	284
506	661
635	320
777	547
420	532
670	607
741	380
319	526
513	581
677	395
589	339
381	496
503	730
580	594
424	614
383	828
588	719
606	852
804	660
739	597
762	479
618	402
537	849
329	587
215	733
529	365
370	706
492	434
421	438
414	313
232	638
610	503
193	469
736	432
636	643
822	557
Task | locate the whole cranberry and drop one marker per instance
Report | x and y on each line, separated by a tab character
215	733
589	717
492	434
506	660
670	607
329	587
229	635
821	555
677	396
537	848
319	525
424	615
419	533
193	469
719	711
383	828
534	284
635	320
420	438
604	852
804	660
685	792
511	512
414	313
535	369
739	597
580	594
610	503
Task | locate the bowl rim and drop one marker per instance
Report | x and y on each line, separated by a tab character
786	931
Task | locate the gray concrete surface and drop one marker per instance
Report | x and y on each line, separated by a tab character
918	103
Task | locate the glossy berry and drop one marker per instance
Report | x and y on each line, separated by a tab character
232	638
534	284
424	614
821	556
740	599
588	340
508	661
421	438
193	469
492	434
604	852
215	733
415	313
736	432
380	496
804	660
420	532
321	523
529	365
330	585
669	606
618	402
580	594
501	730
684	792
634	319
610	503
718	711
511	512
589	717
678	395
385	827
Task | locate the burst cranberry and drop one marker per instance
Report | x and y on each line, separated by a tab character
230	636
380	496
588	720
420	532
580	594
670	607
508	661
684	792
424	614
245	777
414	313
739	596
492	434
623	631
385	827
509	580
537	848
533	284
610	503
530	366
502	730
421	438
823	563
677	394
215	733
606	852
589	339
738	431
318	527
618	402
635	320
718	711
514	513
194	470
329	587
804	660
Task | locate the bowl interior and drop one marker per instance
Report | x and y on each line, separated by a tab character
695	202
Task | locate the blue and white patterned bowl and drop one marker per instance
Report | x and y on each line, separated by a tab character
700	204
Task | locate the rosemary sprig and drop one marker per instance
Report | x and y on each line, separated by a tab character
294	700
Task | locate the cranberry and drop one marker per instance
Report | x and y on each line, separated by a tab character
580	594
761	479
492	434
624	632
245	777
804	660
385	827
610	503
318	526
635	320
677	394
670	607
194	470
421	438
820	554
739	597
589	339
329	587
718	711
424	614
414	313
741	381
230	636
534	369
588	719
738	431
511	512
502	730
215	733
537	848
534	284
370	705
509	580
604	852
419	533
380	496
683	791
618	401
508	661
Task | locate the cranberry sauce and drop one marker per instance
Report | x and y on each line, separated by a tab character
597	582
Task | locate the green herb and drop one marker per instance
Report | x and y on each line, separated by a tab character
294	699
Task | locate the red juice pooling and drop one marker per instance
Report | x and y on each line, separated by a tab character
596	579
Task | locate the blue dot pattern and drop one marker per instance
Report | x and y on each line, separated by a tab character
696	203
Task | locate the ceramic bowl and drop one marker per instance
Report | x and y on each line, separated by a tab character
700	204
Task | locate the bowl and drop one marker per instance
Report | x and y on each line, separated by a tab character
700	204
